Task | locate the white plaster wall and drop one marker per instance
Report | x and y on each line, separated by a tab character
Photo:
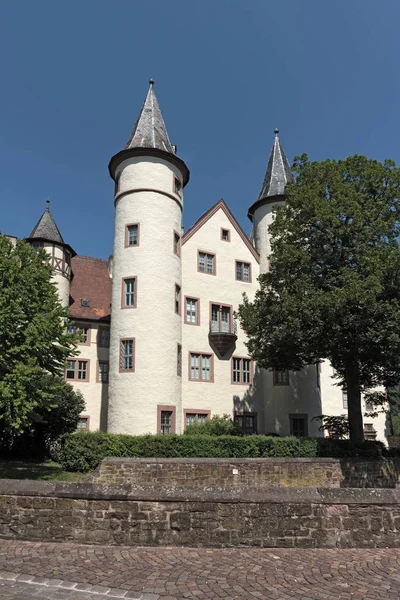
95	393
220	397
262	219
332	403
146	185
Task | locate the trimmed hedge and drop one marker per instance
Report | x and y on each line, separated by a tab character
85	450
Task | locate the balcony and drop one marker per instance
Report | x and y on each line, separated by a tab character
223	334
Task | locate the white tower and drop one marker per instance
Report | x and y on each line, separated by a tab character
47	235
146	331
290	399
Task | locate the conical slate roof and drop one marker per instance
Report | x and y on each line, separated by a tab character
149	130
278	172
46	228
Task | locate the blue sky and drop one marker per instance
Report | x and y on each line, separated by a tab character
227	72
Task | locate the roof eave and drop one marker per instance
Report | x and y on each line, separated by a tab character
133	152
44	239
261	201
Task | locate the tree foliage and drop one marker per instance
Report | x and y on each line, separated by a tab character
33	335
333	290
217	425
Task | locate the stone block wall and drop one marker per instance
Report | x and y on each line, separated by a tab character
177	515
259	473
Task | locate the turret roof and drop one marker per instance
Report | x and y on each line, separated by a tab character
149	130
46	228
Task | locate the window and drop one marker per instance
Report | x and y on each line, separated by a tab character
177	187
84	330
344	398
129	293
177	244
104	337
221	318
77	370
200	367
241	370
37	245
243	271
225	235
83	424
132	235
281	377
179	360
127	363
369	432
166	419
84	303
206	263
192	313
369	405
72	328
318	369
247	422
102	372
298	425
195	417
67	258
177	299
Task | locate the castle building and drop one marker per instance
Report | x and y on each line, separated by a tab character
160	346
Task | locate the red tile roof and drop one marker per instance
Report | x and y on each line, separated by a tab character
92	282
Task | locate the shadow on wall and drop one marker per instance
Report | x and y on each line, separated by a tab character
276	405
370	473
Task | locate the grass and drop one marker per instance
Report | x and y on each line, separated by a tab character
45	471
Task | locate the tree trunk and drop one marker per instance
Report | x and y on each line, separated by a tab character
352	379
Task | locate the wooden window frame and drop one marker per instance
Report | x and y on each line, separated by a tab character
243	262
230	306
178	292
166	408
98	380
229	234
246	413
275	378
77	360
99	336
176	241
293	416
197	412
127	244
242	358
123	292
126	339
201	354
88	423
207	253
197	300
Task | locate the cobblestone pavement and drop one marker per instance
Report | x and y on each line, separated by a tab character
69	571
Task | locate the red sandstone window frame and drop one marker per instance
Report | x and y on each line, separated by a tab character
121	356
123	292
197	412
176	243
77	360
241	382
178	300
100	336
275	379
300	416
87	428
166	408
197	301
244	413
176	179
228	239
78	327
98	380
207	253
243	262
201	354
127	244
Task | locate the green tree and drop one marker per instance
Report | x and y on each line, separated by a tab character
33	335
333	290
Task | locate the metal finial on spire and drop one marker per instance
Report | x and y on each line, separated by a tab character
276	131
48	204
151	82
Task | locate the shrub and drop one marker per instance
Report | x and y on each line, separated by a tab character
84	451
217	425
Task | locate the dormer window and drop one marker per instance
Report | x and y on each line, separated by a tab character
84	303
177	187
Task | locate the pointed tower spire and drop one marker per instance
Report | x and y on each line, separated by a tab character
46	228
277	175
149	137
